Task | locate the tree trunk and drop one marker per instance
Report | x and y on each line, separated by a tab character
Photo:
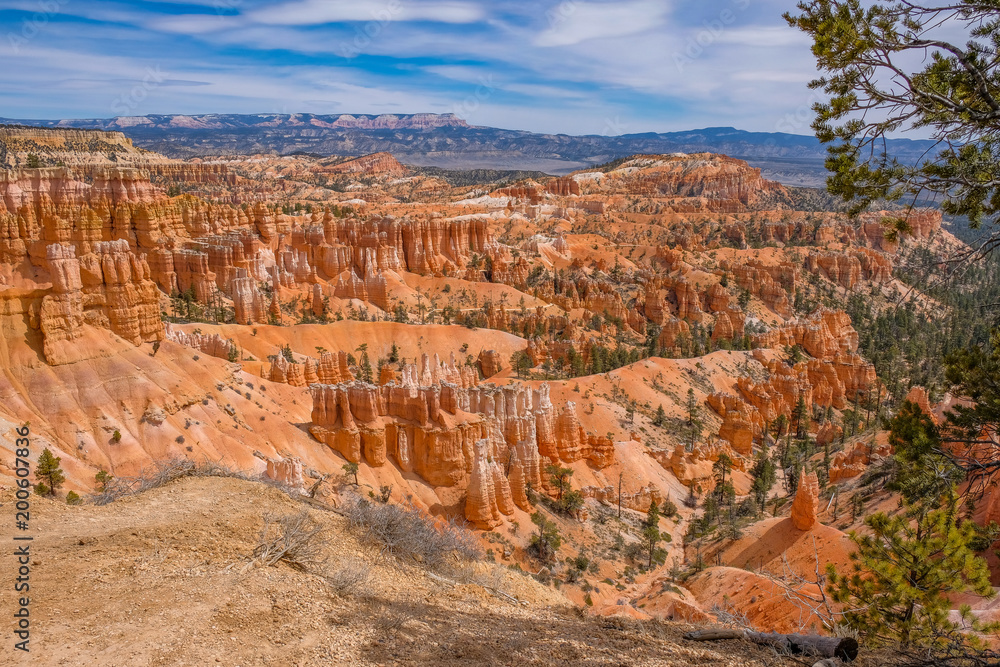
845	648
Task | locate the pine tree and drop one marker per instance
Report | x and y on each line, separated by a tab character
661	416
102	478
720	469
520	361
800	417
693	420
764	476
651	531
921	470
351	468
547	540
364	364
48	469
904	572
559	477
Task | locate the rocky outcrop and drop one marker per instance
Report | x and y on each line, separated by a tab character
805	507
639	501
823	335
288	372
61	317
437	431
573	443
919	396
687	183
741	422
489	496
287	472
432	371
854	460
211	344
847	269
381	164
673	333
921	223
108	288
84	148
248	302
370	288
431	244
694	468
490	363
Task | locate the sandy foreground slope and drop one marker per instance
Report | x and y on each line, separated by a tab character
159	579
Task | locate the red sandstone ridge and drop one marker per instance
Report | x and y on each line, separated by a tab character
686	182
383	164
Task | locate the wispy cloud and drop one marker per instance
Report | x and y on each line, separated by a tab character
313	12
573	66
575	22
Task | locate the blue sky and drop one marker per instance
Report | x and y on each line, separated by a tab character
570	66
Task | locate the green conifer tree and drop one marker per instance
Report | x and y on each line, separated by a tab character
48	469
904	572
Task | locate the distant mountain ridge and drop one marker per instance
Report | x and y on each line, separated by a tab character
417	121
447	141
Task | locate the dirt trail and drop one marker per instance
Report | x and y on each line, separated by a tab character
158	579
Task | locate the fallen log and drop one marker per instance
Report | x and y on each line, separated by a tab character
845	648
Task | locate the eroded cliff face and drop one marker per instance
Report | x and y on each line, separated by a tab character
492	441
688	183
113	246
834	376
108	288
69	146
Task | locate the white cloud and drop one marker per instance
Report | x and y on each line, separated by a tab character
574	22
313	12
764	37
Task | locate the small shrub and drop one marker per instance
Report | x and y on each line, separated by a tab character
179	440
41	489
294	538
117	436
349	577
162	472
102	478
73	498
408	532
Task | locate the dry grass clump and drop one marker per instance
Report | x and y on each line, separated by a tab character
161	473
406	532
296	539
348	577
